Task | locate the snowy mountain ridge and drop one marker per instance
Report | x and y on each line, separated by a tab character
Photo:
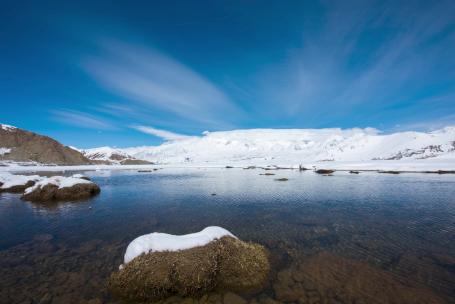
110	155
295	146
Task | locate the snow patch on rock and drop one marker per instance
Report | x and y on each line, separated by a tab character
156	242
7	127
9	180
59	181
4	151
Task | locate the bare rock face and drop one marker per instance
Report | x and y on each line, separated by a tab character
25	146
52	192
223	264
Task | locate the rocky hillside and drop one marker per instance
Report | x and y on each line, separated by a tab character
23	146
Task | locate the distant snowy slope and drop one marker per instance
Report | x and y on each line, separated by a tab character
109	155
299	146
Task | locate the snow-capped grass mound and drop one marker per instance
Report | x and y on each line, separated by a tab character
16	183
189	265
157	242
60	188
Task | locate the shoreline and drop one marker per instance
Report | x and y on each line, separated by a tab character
433	166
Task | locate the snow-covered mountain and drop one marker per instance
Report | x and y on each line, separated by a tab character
299	146
108	155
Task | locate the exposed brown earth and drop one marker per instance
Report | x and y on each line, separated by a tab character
30	147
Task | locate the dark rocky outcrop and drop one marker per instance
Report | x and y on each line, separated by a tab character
134	161
51	192
324	171
27	146
390	172
224	264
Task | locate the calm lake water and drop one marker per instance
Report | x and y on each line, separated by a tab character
345	238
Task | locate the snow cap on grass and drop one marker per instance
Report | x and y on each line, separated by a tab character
156	242
10	180
59	181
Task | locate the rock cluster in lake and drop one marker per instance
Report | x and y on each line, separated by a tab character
51	192
44	189
223	264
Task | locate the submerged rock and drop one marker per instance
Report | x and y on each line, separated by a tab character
330	278
58	188
222	264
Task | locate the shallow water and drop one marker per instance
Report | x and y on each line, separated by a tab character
345	238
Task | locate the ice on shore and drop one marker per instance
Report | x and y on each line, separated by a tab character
156	242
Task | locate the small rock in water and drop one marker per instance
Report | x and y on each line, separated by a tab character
324	171
283	179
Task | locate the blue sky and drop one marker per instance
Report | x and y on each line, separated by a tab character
93	73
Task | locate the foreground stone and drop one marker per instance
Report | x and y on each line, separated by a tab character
60	188
224	264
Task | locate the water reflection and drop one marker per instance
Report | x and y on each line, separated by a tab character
347	238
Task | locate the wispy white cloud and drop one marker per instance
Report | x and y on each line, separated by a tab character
339	69
166	135
157	81
81	119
